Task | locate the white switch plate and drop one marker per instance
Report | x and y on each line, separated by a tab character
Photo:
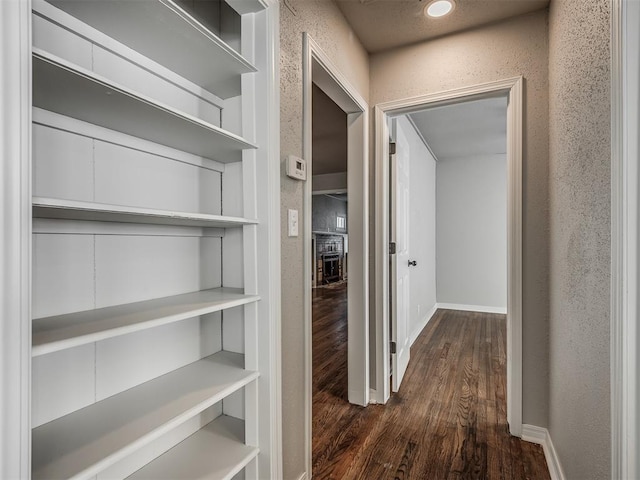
293	223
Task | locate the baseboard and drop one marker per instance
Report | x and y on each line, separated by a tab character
354	397
539	435
423	323
373	396
303	476
472	308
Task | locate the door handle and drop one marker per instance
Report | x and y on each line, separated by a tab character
412	263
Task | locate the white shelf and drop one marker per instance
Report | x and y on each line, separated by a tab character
194	459
67	89
44	207
87	441
247	6
52	334
169	35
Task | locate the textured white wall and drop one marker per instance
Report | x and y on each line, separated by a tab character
471	231
515	47
422	227
326	25
579	117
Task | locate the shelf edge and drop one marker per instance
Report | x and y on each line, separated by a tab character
63	344
155	433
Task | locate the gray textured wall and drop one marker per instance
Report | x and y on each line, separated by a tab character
325	211
566	200
329	29
507	49
579	141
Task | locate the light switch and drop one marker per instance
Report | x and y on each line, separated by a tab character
293	223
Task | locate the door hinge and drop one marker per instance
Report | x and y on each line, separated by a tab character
392	148
393	347
392	248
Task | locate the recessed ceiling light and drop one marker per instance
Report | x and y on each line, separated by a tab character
439	8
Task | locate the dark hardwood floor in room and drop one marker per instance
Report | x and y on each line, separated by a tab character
447	422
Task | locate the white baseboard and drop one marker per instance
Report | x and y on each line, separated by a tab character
373	396
303	476
539	435
423	323
472	308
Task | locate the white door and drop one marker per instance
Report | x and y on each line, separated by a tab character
399	272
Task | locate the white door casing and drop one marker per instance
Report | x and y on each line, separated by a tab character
318	69
513	88
400	276
625	239
15	239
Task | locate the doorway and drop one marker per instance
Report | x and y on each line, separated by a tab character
318	71
512	89
448	217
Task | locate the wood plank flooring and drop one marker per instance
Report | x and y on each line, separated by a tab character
447	422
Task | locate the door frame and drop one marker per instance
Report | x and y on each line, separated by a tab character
513	89
318	69
15	247
625	239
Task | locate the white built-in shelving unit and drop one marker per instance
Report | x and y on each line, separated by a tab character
154	307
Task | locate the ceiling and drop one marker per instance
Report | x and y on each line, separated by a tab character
329	135
469	129
385	24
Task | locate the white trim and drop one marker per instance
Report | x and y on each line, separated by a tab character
423	323
317	68
381	260
272	138
513	87
307	255
15	239
303	476
625	239
472	308
540	436
373	396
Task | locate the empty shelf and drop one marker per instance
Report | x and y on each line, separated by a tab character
52	334
44	207
247	6
67	89
192	459
85	442
169	35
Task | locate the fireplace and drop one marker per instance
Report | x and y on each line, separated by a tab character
331	267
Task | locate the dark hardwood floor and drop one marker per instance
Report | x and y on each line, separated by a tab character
447	422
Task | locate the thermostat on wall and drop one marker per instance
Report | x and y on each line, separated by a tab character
296	168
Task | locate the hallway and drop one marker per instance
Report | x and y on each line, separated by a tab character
448	420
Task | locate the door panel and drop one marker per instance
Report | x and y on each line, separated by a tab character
399	294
